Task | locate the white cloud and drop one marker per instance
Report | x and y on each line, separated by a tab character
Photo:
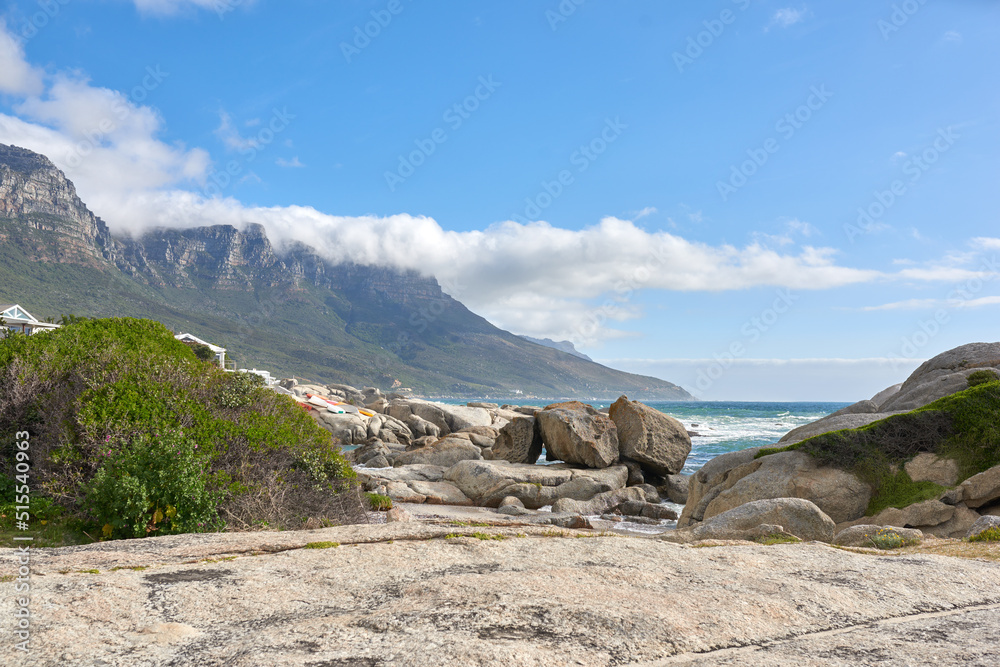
17	76
230	136
784	18
294	163
953	36
649	210
927	304
170	7
986	243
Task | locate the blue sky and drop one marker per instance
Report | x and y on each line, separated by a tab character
675	187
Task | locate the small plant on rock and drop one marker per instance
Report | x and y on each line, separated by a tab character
887	538
981	377
378	502
989	535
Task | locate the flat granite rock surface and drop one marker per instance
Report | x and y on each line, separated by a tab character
435	595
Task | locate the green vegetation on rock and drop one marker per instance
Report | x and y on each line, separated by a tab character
964	426
988	535
132	435
379	502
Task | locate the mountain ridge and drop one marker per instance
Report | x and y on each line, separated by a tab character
292	312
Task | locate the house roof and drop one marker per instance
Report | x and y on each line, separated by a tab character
16	312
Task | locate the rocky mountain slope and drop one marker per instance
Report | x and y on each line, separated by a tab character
292	312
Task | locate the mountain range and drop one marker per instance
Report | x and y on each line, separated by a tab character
293	313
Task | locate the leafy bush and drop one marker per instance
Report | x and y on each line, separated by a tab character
991	534
982	377
203	352
153	486
102	385
239	390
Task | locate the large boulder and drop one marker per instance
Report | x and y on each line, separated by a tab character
487	483
839	494
862	535
945	374
349	429
957	526
795	516
710	480
982	489
577	433
656	441
675	488
599	504
918	515
520	441
834	422
445	452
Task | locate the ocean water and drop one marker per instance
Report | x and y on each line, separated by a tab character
730	426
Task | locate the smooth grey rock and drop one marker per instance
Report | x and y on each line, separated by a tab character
656	441
983	523
943	375
957	526
798	517
676	487
489	482
440	493
860	536
860	408
511	501
794	474
927	513
599	504
709	481
983	488
446	452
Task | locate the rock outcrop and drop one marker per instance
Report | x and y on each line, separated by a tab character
488	483
520	441
794	516
577	433
658	442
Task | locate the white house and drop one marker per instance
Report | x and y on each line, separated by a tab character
18	319
220	352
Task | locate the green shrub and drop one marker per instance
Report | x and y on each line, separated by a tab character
81	387
203	352
238	390
153	486
378	502
991	534
982	377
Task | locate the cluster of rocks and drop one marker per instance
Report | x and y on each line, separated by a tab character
619	462
734	480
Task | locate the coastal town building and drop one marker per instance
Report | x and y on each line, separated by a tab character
18	319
